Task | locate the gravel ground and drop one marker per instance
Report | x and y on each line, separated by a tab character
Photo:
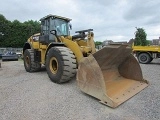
32	96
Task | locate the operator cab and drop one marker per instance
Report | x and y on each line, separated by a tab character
53	22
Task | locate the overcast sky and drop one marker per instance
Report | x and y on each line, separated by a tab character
110	19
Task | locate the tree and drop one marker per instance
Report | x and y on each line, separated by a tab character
140	37
15	33
98	43
3	29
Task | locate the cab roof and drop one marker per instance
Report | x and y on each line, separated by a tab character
55	16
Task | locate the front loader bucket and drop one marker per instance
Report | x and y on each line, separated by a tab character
112	75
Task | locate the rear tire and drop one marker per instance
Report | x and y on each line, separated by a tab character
29	63
144	58
60	64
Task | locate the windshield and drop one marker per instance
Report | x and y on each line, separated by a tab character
61	27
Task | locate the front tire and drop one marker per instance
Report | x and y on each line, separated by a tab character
60	64
29	63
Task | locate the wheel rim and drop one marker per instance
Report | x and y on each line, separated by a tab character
27	61
143	58
53	65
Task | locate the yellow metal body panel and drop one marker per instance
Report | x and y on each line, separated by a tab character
146	48
43	52
43	49
82	43
78	47
35	44
74	47
86	49
90	42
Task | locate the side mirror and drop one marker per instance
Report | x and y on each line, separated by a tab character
70	26
54	32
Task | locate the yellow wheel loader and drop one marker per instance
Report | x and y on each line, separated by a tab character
111	74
